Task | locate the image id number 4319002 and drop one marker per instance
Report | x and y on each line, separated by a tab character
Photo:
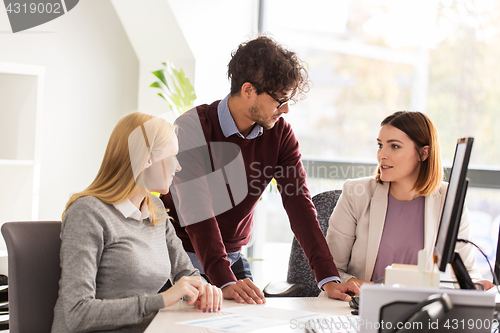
33	8
470	324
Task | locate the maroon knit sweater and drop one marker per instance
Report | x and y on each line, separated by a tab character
273	154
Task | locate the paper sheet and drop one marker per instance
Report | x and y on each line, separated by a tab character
269	312
249	318
235	322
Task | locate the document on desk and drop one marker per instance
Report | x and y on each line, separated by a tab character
269	312
235	322
250	318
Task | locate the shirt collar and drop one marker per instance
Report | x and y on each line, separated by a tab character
228	125
128	210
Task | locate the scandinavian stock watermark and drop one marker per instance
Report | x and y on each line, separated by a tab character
216	177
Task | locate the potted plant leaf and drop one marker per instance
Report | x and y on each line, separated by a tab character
176	89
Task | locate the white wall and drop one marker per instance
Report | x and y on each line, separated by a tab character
156	37
98	58
213	29
91	81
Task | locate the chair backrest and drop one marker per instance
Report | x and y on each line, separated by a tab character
298	265
34	272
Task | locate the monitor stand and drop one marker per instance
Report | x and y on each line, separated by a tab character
457	264
461	273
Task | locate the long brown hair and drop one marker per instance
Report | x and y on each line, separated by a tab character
118	175
422	132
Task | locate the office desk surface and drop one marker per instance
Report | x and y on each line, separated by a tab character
284	308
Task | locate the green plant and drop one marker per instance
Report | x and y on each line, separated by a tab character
175	88
272	187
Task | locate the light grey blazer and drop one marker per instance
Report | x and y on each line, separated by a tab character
357	223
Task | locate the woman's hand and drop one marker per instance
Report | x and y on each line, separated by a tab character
210	300
487	284
191	286
358	281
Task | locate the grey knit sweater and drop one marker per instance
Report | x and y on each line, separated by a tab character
113	267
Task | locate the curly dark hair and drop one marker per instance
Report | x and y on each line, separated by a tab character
269	67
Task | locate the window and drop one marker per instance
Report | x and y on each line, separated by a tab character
367	59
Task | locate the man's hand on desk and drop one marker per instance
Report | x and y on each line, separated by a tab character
244	291
341	291
205	297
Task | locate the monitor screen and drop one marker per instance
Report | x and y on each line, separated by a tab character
452	209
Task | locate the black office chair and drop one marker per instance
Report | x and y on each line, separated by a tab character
300	280
34	273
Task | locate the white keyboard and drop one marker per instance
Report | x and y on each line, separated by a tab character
334	324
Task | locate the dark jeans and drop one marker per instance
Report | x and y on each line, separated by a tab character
241	269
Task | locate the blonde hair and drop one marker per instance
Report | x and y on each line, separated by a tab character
422	132
125	158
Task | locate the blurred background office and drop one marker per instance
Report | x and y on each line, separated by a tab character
366	59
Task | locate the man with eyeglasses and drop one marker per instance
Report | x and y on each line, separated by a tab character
249	143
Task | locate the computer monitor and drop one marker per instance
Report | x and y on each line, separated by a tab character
444	251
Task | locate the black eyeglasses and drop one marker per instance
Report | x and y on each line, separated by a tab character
282	101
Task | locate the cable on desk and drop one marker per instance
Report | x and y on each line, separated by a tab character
479	286
495	280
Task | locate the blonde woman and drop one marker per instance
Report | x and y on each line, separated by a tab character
118	246
388	218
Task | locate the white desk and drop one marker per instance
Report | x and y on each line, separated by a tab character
284	308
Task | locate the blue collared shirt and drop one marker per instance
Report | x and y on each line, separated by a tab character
228	125
326	280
